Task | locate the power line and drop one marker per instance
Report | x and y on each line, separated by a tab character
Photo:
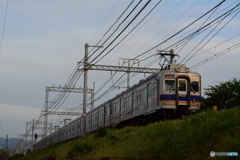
72	79
205	21
213	35
131	29
217	45
91	38
98	43
216	55
75	79
5	17
180	30
104	21
105	48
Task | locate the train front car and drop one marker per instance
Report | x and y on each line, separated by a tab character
180	91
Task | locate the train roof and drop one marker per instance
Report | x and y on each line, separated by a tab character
142	81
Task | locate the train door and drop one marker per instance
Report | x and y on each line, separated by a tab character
183	92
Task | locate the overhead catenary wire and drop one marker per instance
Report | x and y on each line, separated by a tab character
132	11
4	23
130	30
217	45
156	25
90	40
104	22
122	44
197	32
172	46
120	32
203	28
235	46
101	39
98	43
70	81
212	36
136	25
209	12
139	22
181	30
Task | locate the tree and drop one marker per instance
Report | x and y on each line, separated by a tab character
226	95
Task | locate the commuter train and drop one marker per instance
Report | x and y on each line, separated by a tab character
172	92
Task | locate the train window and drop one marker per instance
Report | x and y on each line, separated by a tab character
169	85
144	93
149	89
111	109
154	89
182	85
102	114
89	121
125	102
194	86
106	112
134	98
140	96
115	107
121	103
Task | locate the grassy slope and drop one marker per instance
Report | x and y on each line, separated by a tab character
191	138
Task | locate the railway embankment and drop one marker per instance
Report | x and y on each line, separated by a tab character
191	138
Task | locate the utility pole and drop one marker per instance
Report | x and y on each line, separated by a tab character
6	146
71	112
85	87
32	131
6	142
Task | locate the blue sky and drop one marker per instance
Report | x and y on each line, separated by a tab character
44	40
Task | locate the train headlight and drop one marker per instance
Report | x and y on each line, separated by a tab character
177	69
187	70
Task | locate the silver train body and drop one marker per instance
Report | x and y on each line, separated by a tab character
172	92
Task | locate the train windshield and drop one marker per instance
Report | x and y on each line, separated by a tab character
169	85
182	84
194	86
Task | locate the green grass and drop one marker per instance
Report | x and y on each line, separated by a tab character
191	138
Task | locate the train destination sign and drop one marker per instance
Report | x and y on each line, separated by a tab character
169	76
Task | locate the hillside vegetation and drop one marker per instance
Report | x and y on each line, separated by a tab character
191	138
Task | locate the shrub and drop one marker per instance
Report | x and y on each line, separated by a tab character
79	150
100	132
